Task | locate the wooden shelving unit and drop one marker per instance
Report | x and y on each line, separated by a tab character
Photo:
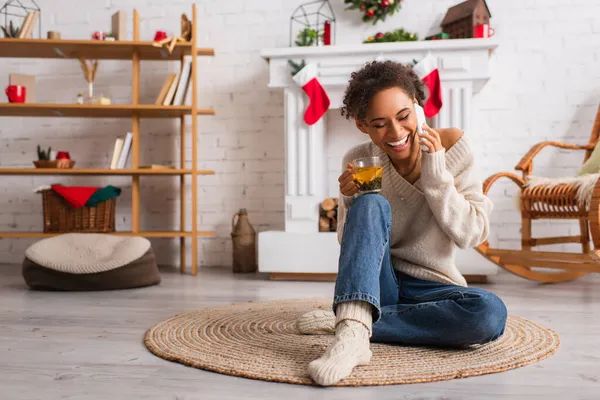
95	49
96	111
150	234
136	51
100	171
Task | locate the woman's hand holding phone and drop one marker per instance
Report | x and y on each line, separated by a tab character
430	139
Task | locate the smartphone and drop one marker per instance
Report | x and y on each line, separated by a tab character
420	117
420	121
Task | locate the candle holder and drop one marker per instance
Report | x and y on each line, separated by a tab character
313	24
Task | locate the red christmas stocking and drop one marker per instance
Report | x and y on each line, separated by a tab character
319	101
427	71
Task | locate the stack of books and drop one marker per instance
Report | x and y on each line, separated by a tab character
121	154
175	88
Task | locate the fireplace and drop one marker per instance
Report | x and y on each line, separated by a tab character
300	248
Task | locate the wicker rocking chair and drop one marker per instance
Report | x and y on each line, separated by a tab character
551	202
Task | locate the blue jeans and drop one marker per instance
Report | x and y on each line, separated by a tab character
407	310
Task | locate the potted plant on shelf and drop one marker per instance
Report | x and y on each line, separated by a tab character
11	31
63	159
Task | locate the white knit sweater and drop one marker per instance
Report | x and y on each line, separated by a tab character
444	209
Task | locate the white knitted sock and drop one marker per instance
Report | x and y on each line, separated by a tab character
350	346
316	322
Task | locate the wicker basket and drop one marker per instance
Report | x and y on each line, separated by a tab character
60	217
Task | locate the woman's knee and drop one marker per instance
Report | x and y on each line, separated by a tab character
372	204
488	320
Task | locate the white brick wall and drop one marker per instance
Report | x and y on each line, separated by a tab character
545	85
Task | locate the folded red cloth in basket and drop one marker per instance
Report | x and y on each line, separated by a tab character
80	196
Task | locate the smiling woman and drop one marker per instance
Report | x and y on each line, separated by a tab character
381	98
397	281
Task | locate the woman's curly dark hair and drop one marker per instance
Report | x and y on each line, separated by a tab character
374	77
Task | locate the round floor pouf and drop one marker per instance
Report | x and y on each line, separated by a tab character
259	340
90	261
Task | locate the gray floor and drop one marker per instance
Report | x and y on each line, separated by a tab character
89	345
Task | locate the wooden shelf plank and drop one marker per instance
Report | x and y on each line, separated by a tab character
149	234
99	171
96	110
94	49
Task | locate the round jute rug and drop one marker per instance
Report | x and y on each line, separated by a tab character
259	340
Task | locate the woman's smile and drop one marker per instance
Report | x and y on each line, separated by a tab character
399	145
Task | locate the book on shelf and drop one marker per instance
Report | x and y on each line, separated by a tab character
114	161
183	83
176	86
119	25
126	150
28	25
121	152
165	89
171	92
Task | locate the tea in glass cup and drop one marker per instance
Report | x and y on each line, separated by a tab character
368	174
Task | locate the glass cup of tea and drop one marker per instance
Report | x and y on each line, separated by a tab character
368	174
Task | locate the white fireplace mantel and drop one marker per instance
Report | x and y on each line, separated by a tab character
460	60
463	65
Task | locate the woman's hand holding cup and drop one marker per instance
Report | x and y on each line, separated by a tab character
347	185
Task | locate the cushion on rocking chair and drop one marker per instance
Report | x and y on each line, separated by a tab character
90	261
564	197
592	165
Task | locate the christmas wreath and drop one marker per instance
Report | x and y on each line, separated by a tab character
374	10
399	35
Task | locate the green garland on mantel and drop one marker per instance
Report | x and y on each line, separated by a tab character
374	10
399	35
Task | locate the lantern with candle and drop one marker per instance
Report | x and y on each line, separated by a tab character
313	24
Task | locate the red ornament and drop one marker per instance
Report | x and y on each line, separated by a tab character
385	3
160	35
379	35
362	7
98	35
370	13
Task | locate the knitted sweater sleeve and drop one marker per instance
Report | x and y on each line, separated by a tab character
456	201
344	202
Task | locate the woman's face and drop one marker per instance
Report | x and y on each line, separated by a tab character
391	123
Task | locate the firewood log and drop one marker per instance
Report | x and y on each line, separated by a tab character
331	214
328	204
324	224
